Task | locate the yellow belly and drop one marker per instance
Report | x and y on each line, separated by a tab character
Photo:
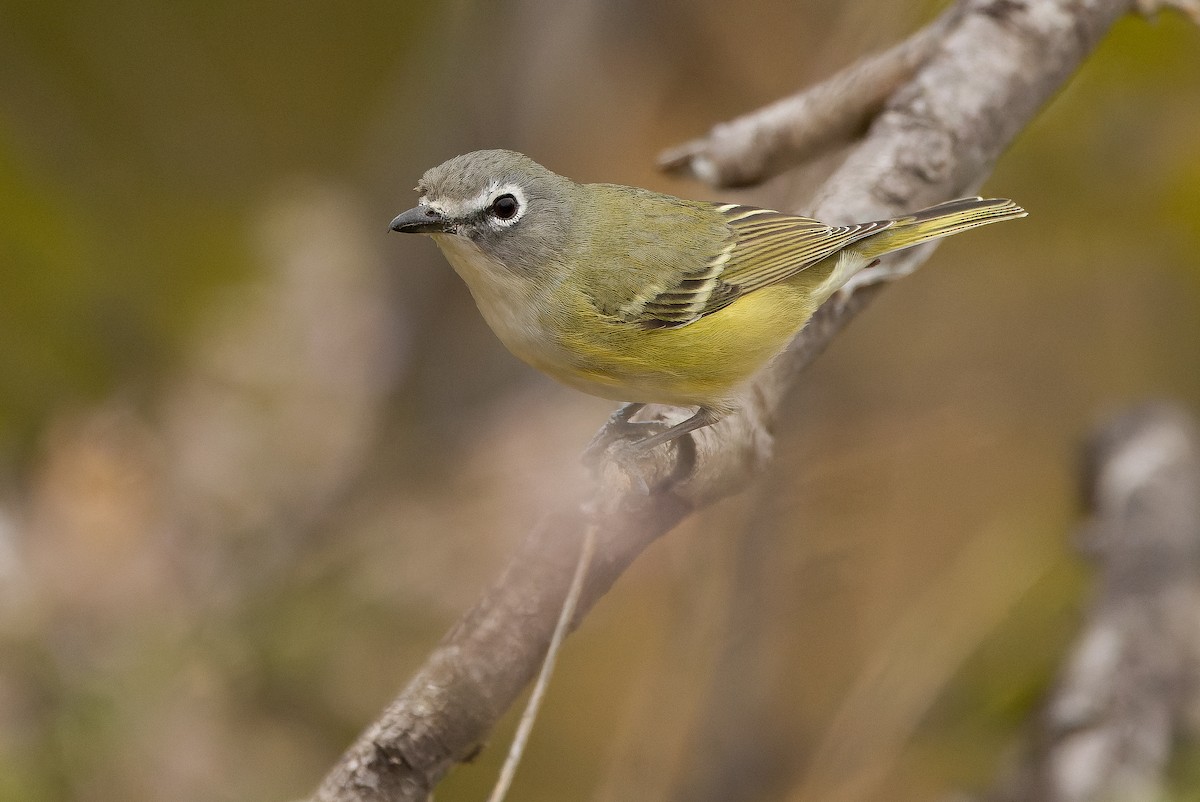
705	363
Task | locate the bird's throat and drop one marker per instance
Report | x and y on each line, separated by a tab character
509	305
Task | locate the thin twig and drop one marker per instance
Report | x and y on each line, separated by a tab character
525	727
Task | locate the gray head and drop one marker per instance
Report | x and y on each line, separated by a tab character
507	204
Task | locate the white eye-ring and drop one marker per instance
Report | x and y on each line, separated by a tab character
507	205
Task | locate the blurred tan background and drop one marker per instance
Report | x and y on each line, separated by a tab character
257	454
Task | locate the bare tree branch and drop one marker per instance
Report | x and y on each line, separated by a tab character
997	62
750	149
1132	678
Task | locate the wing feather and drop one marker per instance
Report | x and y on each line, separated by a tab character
765	247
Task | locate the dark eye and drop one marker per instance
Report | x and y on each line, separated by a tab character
505	206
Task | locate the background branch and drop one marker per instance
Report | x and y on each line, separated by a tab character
937	138
1130	683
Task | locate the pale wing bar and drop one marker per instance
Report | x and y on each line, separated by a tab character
769	247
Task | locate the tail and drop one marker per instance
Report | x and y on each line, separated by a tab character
937	221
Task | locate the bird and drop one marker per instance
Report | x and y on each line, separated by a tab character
644	297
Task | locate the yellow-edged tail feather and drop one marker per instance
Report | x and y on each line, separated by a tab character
938	221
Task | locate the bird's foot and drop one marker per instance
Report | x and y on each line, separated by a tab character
619	427
628	443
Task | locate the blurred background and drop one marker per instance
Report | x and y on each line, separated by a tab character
257	454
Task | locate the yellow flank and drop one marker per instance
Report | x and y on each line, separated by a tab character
703	363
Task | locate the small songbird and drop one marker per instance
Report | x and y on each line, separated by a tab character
643	297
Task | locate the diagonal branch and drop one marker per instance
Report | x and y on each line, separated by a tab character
750	149
939	133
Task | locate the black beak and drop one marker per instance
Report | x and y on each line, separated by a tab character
421	220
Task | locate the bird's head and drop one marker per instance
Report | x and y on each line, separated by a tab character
509	206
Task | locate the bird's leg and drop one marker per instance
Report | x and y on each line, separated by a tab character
616	428
641	436
703	417
622	415
627	442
